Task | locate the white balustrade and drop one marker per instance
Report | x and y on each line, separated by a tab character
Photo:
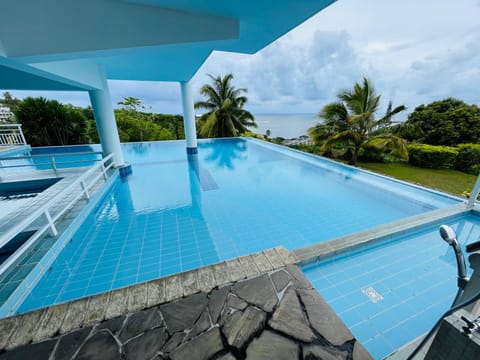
11	134
81	186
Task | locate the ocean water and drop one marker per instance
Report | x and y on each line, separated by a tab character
284	125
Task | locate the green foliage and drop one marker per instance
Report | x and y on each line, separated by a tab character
448	180
225	116
135	126
131	103
10	101
173	123
49	123
371	153
447	122
312	149
351	124
254	135
431	156
468	158
277	140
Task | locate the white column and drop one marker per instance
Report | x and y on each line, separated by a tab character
106	125
189	117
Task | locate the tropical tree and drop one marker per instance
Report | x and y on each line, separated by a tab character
49	123
131	103
351	122
447	122
225	116
10	101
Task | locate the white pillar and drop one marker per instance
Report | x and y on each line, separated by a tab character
189	117
106	125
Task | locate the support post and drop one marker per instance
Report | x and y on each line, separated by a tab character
85	190
189	117
51	224
106	125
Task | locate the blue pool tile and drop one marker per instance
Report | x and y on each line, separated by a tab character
123	281
330	293
364	331
351	317
76	285
383	321
98	288
397	336
102	278
368	309
379	346
70	294
344	302
207	259
147	275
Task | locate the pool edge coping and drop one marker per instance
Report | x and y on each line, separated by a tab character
40	324
308	255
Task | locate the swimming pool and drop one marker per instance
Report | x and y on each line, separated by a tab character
390	294
239	196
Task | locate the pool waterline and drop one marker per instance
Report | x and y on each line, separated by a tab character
193	223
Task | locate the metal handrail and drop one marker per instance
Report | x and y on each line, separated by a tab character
82	181
12	134
52	163
50	155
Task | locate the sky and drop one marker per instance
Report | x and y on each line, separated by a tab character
414	51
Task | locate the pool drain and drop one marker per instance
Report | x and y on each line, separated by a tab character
372	294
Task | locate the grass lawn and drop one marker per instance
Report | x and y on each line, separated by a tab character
447	180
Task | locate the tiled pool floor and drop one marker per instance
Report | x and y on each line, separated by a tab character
13	276
177	212
415	276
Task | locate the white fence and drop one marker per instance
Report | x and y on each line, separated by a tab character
84	183
11	134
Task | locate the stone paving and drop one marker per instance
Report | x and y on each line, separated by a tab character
229	313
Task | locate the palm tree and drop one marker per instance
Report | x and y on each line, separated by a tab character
225	116
351	122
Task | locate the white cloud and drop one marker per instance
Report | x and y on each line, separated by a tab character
414	51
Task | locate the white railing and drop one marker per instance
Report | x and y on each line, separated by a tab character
474	193
85	182
11	134
52	161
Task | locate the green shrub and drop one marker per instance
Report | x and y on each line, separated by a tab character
431	156
370	153
468	158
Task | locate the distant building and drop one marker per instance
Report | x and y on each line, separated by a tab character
5	113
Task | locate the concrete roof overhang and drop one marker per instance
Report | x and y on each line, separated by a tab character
156	40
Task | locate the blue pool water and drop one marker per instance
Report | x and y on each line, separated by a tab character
237	197
416	274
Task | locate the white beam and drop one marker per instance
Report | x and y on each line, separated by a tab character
50	28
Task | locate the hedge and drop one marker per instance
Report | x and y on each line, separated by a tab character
431	156
468	158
